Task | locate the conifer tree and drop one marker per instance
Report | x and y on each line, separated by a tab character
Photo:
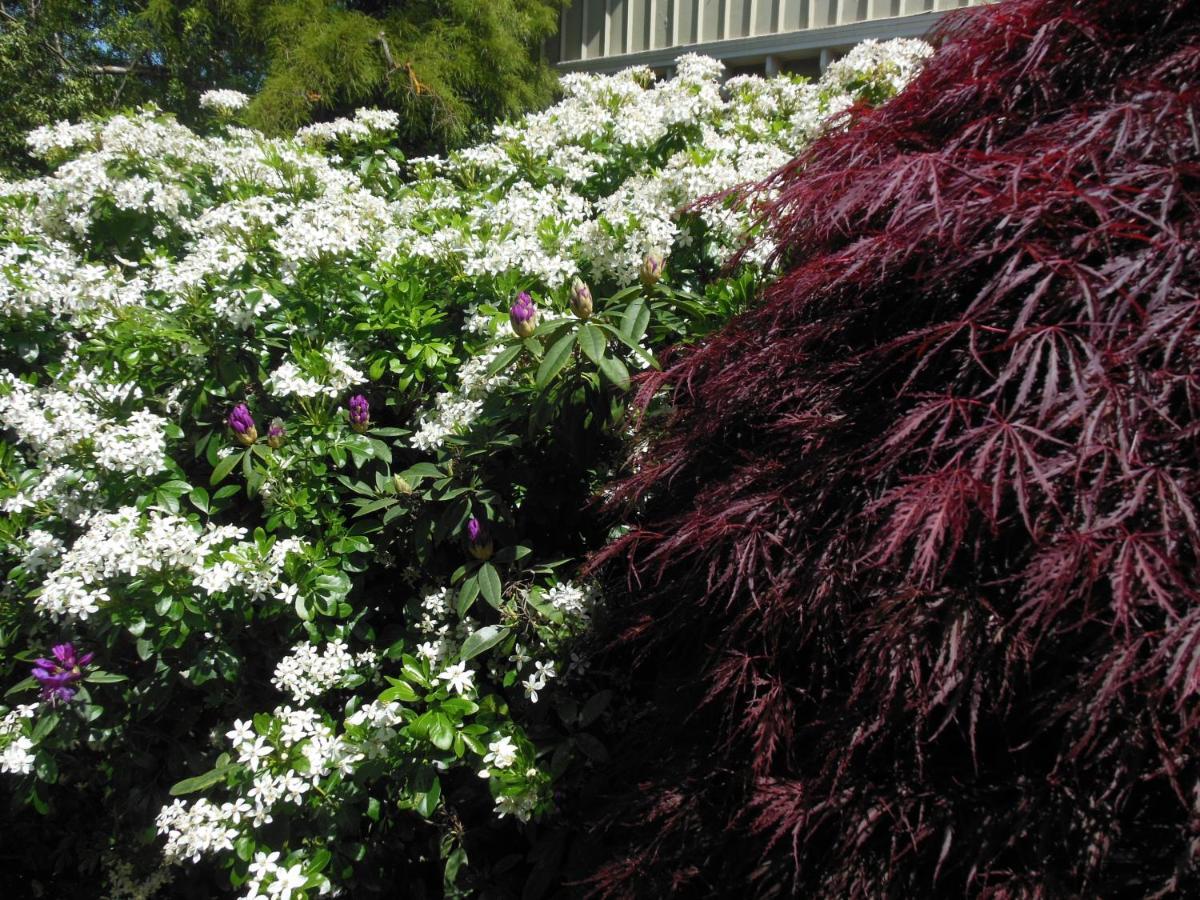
448	66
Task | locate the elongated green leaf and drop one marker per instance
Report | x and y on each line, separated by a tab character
591	341
484	639
502	361
200	782
636	320
556	357
467	594
223	467
489	583
615	371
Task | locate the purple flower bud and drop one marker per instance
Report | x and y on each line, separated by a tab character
242	424
360	413
652	268
523	315
276	433
581	299
57	676
479	542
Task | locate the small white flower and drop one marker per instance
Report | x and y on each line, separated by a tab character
458	678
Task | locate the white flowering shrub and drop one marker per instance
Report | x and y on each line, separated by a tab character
299	443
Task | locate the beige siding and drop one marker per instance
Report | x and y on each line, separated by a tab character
602	29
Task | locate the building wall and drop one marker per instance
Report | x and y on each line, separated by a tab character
606	35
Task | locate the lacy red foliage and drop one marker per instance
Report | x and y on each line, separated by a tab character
914	564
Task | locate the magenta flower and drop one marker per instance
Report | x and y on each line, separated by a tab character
57	676
479	542
523	315
242	424
360	413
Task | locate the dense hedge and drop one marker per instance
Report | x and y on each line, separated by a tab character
914	580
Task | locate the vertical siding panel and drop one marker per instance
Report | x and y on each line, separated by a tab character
917	6
795	14
882	9
711	12
664	17
687	22
766	16
824	13
593	27
639	11
739	18
855	10
573	30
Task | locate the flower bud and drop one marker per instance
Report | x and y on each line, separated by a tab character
479	542
581	299
276	433
523	315
242	424
652	268
402	485
360	413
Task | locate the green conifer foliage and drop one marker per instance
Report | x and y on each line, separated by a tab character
449	67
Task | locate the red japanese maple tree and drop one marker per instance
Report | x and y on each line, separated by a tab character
913	579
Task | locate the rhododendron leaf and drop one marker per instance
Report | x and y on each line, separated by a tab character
466	595
489	584
556	357
503	359
222	469
591	341
615	371
635	320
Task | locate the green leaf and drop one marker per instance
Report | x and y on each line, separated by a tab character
99	677
594	707
636	320
399	690
44	726
591	341
503	359
466	595
222	469
199	499
484	639
556	357
200	782
24	684
426	802
441	731
615	371
489	584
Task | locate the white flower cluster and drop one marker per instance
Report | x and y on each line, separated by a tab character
225	101
128	543
59	423
598	133
502	753
16	747
366	122
568	599
337	375
204	827
454	411
307	672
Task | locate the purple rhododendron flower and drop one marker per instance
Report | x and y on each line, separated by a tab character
57	676
523	315
242	424
360	413
276	433
478	540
